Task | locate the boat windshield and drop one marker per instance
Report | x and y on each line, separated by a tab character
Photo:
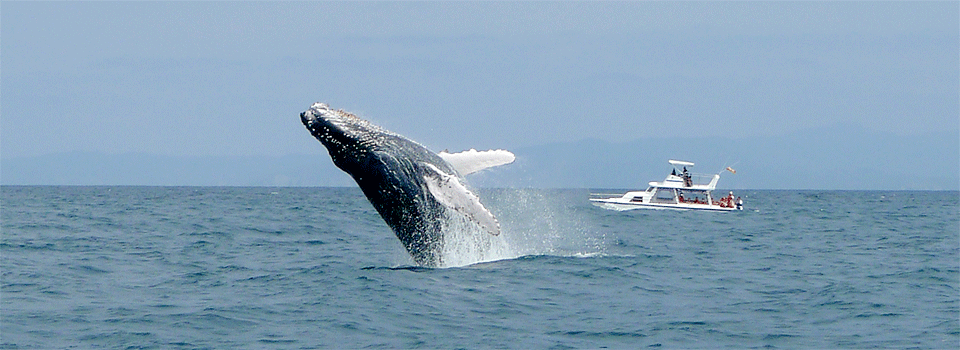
665	195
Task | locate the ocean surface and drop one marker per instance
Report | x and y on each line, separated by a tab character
305	268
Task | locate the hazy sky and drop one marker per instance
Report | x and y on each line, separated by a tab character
215	78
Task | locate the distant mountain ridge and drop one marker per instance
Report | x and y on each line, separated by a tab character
835	158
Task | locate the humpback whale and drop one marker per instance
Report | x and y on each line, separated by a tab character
414	190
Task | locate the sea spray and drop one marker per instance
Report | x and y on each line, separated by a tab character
536	223
466	243
532	223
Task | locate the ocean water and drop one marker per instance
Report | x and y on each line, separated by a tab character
304	268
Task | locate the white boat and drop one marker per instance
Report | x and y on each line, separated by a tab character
681	190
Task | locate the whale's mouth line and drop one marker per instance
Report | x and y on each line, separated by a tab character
322	121
336	129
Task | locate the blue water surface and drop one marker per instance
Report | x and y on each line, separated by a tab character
292	268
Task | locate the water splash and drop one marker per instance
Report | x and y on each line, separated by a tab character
466	243
532	222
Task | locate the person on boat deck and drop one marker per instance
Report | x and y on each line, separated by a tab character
686	178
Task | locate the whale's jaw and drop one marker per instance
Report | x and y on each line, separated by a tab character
348	139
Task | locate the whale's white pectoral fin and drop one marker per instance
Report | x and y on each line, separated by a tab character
468	162
448	190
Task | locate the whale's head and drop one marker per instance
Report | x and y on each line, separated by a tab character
348	139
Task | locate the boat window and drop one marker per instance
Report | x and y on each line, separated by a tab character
688	196
665	195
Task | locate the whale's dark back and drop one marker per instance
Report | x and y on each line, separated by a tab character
393	182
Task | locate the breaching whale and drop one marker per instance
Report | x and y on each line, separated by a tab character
416	191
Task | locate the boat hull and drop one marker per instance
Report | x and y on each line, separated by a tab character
619	205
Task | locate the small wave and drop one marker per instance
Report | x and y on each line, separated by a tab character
28	246
778	336
277	341
399	268
602	335
90	269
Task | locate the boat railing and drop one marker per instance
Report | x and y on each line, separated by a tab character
701	179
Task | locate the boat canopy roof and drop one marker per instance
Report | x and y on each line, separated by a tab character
680	162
